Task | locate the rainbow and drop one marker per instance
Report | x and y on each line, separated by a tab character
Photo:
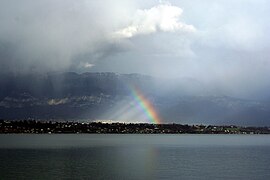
145	105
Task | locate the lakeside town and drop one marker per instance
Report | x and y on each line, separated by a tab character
55	127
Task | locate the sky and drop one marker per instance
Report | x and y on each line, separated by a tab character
223	44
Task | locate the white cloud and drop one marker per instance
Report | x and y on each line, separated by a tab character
54	102
88	65
163	17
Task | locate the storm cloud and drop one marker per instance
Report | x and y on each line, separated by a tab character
224	45
54	35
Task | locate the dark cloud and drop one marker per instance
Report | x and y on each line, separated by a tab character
223	44
55	35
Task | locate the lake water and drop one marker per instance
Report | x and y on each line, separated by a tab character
83	156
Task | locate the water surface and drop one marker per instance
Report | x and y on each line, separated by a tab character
91	156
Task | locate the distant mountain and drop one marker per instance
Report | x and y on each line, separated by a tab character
93	96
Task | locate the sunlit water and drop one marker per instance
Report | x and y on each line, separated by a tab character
83	156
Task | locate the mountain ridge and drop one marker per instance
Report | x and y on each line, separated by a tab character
102	95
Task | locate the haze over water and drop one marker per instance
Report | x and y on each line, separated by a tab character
134	156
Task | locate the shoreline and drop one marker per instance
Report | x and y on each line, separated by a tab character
52	127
